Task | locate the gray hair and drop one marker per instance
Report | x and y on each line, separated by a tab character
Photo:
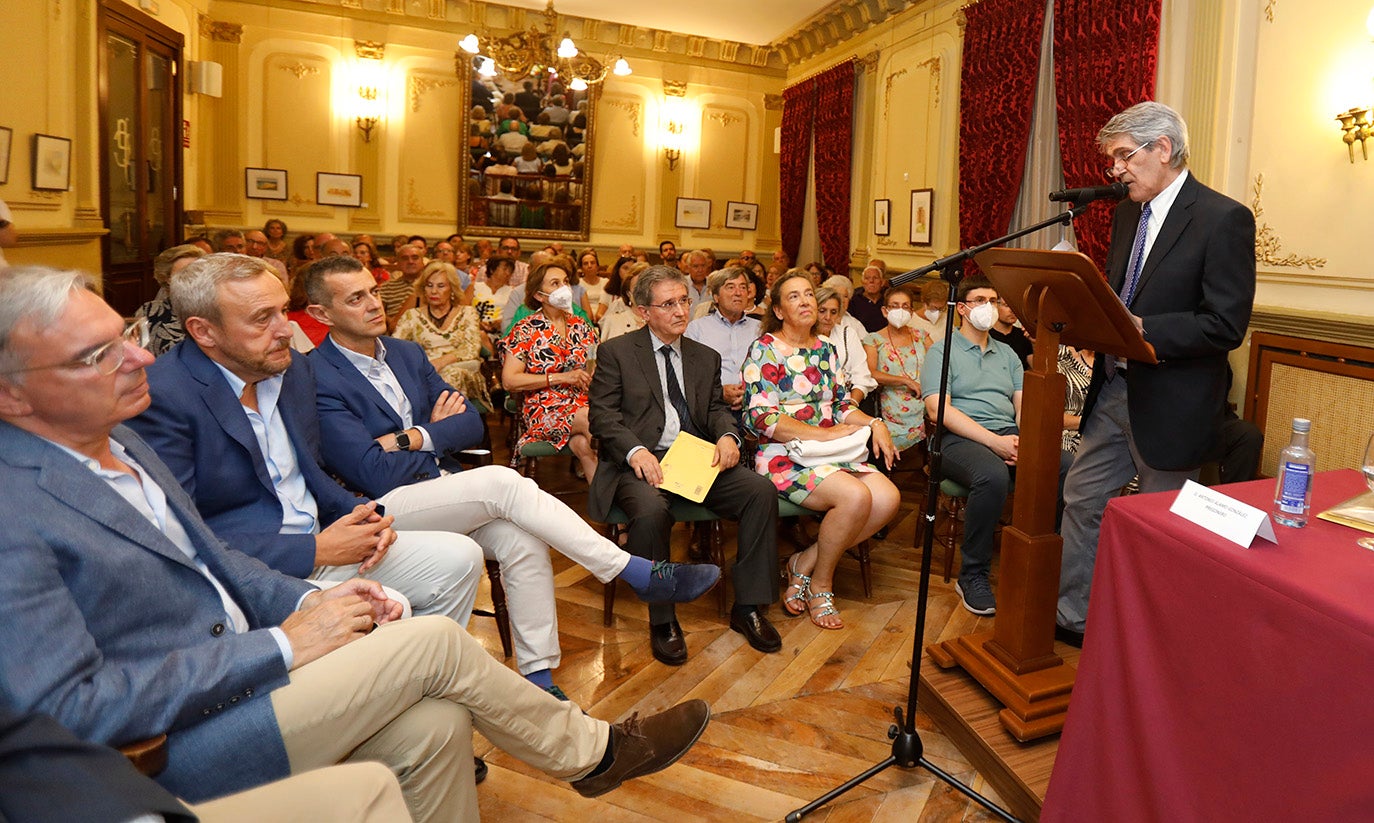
839	283
162	264
652	276
224	234
695	253
195	289
825	293
36	294
716	279
1145	123
316	290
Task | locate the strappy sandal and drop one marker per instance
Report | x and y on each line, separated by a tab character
803	589
827	609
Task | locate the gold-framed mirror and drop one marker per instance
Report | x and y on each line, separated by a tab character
499	191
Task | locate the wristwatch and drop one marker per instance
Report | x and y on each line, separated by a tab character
403	441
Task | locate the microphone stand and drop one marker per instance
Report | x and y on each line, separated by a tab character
907	749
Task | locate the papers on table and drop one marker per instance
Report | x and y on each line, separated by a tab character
687	469
1357	512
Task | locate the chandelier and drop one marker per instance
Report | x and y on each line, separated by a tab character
533	51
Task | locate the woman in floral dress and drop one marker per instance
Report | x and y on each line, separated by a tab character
791	391
546	359
450	334
895	354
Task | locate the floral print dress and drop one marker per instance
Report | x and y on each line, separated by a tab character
548	413
901	407
461	336
802	383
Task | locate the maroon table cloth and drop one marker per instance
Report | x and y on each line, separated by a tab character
1219	683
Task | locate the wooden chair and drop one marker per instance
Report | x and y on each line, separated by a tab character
860	552
499	610
709	545
148	756
950	505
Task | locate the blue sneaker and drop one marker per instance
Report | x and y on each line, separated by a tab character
678	582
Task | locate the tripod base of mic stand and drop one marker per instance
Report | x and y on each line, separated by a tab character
907	753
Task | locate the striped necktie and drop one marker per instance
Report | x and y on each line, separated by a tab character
1137	258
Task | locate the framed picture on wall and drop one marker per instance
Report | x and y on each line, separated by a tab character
339	189
264	184
52	163
882	217
693	213
922	201
6	137
741	215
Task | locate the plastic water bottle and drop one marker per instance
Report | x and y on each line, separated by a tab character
1293	491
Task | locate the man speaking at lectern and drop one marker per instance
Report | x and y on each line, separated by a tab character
1182	259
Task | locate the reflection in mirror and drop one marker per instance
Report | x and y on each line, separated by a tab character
527	158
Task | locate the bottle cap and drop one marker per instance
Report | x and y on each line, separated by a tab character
1302	424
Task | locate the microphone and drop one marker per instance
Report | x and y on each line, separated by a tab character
1079	197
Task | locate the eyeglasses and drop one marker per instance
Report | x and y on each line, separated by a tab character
108	357
978	301
1121	159
670	305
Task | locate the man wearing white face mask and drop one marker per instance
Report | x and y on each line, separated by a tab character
981	436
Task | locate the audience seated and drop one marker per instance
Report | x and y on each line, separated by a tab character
164	329
728	331
231	241
621	318
593	284
792	392
637	420
931	317
449	332
391	428
366	253
1077	367
302	252
129	618
398	292
546	358
851	358
1006	330
277	246
895	355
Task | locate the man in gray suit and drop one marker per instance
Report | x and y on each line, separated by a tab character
127	618
648	386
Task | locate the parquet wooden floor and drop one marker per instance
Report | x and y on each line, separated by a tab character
786	727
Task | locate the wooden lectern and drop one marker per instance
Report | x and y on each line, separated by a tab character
1059	297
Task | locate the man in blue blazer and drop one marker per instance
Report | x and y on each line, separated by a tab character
233	417
126	617
1182	259
391	426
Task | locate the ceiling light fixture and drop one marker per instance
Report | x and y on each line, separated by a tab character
534	51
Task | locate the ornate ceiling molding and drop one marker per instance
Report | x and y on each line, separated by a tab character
835	24
220	31
675	88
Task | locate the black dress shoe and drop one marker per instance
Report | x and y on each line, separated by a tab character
1068	637
756	629
668	644
479	769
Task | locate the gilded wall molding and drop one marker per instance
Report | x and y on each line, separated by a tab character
220	31
60	237
1268	246
299	69
724	118
414	208
422	84
772	102
675	88
867	63
1269	10
632	109
628	221
369	50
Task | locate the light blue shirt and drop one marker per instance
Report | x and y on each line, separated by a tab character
981	381
730	340
383	379
148	498
300	512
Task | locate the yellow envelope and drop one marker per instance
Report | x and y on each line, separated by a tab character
687	469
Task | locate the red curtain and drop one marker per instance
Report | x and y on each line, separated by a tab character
834	147
798	112
1105	54
823	104
996	100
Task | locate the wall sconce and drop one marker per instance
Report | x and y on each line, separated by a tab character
1356	123
370	104
672	143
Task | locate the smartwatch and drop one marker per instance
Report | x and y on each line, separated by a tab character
403	440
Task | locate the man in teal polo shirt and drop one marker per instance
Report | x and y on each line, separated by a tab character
981	437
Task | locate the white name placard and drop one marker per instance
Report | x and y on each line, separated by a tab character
1224	516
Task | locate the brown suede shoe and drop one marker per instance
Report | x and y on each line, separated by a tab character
644	746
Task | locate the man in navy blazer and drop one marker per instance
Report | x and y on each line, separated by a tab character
390	427
1182	259
233	417
126	617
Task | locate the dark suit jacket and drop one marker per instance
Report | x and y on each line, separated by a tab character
353	413
113	631
200	430
49	774
1194	296
627	405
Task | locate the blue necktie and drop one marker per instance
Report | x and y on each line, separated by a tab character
1137	260
675	395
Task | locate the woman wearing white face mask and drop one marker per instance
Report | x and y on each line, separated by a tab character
546	358
895	354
